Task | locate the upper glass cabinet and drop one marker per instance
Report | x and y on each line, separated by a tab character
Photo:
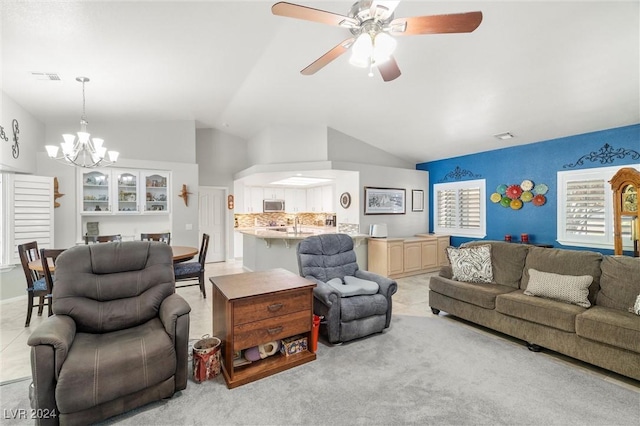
95	192
127	200
156	192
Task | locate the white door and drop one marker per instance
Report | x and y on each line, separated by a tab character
212	205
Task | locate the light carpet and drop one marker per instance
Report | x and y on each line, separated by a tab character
422	370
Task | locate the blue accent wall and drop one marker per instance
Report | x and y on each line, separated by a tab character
540	163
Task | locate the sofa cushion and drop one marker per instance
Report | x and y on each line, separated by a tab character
471	264
102	367
619	283
564	262
483	295
565	288
610	326
507	261
538	310
359	307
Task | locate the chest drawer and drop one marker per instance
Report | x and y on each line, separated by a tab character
276	328
269	306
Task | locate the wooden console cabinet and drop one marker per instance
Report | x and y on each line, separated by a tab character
403	257
253	308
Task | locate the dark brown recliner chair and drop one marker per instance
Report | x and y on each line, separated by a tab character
119	335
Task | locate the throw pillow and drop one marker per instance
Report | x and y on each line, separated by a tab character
572	289
471	264
636	306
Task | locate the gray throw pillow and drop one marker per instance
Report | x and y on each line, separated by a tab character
471	264
565	288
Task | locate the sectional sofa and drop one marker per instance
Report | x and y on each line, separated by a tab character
577	303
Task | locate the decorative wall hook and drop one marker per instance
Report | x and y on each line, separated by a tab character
184	194
56	194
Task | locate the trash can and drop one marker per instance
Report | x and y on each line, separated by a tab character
315	330
206	358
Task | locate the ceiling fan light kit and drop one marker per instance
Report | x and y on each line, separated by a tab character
373	25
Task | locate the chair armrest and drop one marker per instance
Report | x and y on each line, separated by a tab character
388	287
174	314
324	292
57	331
171	309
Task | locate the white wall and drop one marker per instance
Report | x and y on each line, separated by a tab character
398	225
30	137
288	144
220	156
342	147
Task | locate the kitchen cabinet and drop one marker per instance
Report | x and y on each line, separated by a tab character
122	191
252	199
273	193
320	199
403	257
295	200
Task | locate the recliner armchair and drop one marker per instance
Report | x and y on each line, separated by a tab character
119	335
322	258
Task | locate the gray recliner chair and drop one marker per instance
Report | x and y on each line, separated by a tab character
326	260
119	335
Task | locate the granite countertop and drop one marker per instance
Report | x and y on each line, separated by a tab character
266	233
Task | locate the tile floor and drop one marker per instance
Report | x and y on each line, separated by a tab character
412	298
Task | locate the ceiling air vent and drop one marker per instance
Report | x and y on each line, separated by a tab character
46	76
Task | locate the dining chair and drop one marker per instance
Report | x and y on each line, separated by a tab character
164	237
92	239
45	255
190	271
36	283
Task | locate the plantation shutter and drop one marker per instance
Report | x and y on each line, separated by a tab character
459	208
30	212
585	208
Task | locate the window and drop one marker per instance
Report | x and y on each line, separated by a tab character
585	209
459	208
27	213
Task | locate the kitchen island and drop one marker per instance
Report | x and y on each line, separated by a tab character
265	249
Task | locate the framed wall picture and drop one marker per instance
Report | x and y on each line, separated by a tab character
417	200
384	200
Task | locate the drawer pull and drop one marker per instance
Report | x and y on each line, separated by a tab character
274	307
274	330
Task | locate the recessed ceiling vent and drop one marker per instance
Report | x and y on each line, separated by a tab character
46	76
504	136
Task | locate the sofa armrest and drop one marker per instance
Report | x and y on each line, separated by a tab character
58	332
446	272
388	287
324	292
174	314
326	303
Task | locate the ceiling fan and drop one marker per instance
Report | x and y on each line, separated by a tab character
373	26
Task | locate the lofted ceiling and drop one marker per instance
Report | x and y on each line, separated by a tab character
539	70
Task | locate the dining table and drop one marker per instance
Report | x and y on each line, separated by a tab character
180	254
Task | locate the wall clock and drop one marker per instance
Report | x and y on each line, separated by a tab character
345	200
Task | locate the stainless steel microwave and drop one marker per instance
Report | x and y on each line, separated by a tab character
269	206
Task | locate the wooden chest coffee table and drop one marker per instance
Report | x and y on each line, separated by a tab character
253	308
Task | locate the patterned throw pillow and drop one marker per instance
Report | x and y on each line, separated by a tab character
572	289
636	306
471	264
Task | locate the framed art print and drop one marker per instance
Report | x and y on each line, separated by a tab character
384	200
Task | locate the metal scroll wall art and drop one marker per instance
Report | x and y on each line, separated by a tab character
15	148
515	196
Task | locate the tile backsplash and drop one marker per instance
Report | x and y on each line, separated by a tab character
278	219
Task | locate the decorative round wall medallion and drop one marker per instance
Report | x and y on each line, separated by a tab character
345	200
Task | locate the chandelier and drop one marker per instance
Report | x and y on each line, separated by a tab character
82	150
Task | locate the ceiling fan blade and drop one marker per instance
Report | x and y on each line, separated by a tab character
389	69
328	57
297	11
436	24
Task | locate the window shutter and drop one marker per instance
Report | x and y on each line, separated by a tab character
469	202
585	208
31	213
459	208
